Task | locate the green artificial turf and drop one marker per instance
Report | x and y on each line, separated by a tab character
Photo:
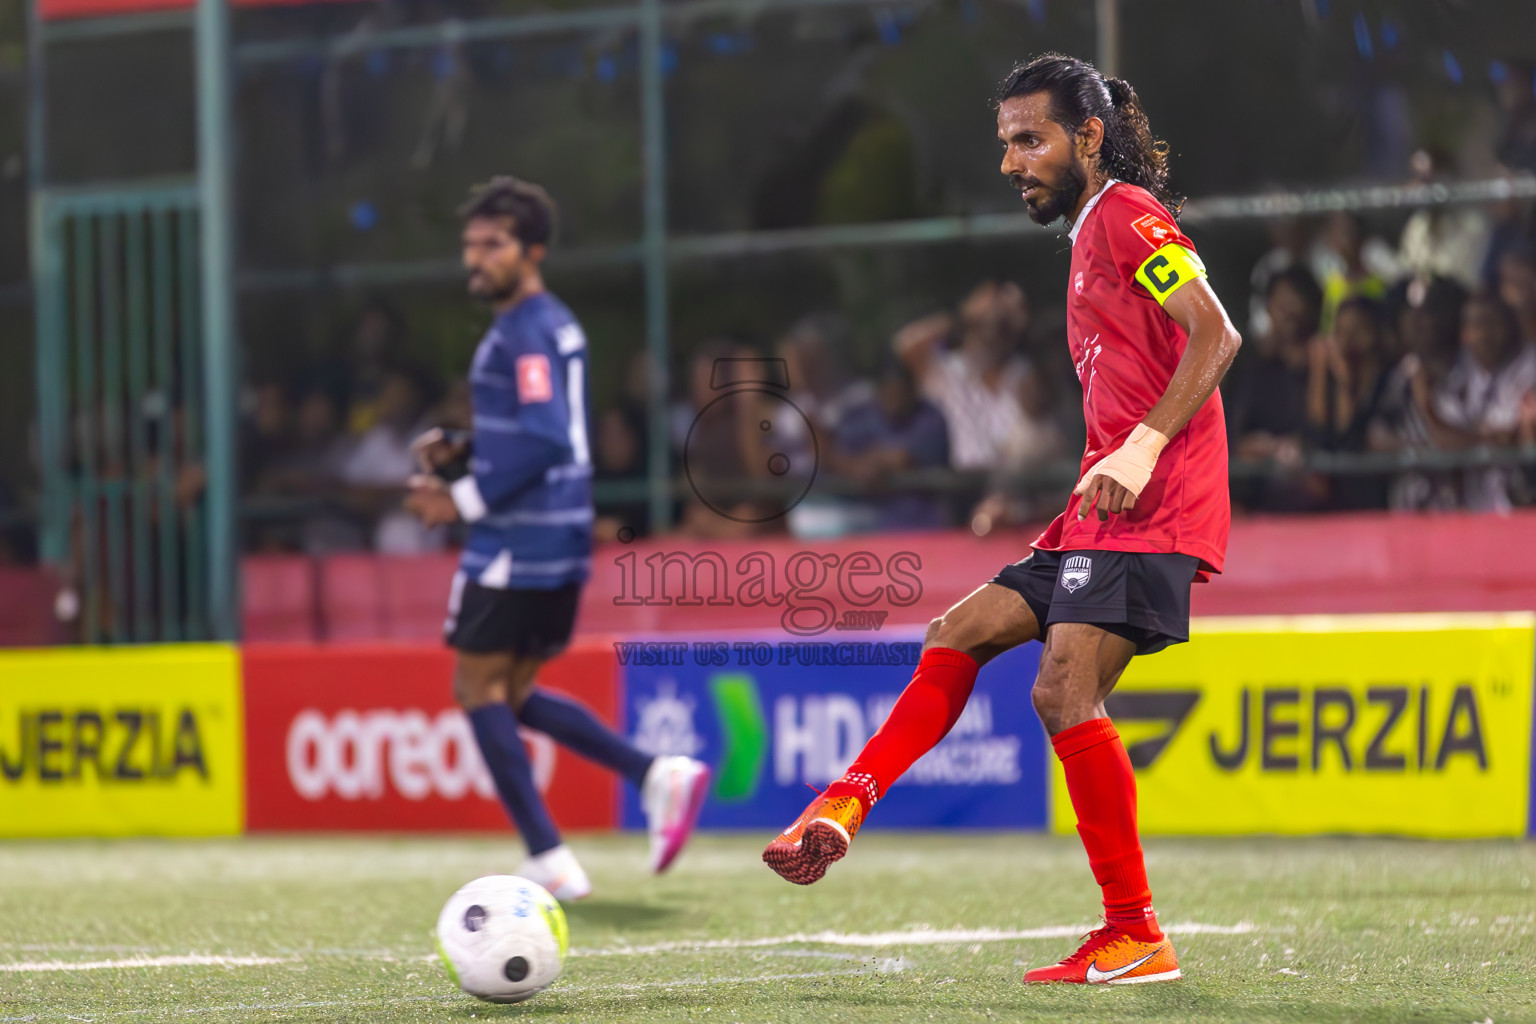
1340	930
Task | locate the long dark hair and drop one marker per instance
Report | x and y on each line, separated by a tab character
1079	92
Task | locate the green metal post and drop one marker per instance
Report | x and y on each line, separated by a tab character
199	622
1107	30
37	99
168	563
136	256
86	490
116	473
215	174
654	248
47	301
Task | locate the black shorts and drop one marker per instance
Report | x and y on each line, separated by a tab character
528	623
1143	597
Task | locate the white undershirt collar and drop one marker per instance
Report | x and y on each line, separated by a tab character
1077	225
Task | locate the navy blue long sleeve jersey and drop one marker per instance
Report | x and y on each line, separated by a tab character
528	495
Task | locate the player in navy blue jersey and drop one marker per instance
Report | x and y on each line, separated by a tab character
523	482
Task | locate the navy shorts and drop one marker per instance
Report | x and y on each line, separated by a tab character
528	623
1143	597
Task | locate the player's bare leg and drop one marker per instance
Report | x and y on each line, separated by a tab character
988	622
1080	666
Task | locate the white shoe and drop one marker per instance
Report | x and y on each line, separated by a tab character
558	871
672	795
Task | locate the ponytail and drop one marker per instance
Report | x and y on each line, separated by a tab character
1120	92
1130	153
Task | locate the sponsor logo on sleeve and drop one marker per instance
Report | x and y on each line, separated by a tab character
534	383
1155	230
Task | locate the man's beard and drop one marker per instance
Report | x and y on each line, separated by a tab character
492	295
1061	196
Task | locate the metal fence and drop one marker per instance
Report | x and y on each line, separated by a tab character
97	268
135	351
123	413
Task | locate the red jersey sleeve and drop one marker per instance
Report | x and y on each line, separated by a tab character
1149	251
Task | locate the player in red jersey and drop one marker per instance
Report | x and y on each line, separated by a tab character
1110	578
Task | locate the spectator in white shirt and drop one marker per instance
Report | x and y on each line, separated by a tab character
993	400
1442	241
380	462
1481	399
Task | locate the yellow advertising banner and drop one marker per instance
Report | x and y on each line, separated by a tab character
1404	724
122	741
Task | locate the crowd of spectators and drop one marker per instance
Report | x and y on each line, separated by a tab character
1356	351
324	460
981	390
1355	348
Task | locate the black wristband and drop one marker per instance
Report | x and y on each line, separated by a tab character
458	467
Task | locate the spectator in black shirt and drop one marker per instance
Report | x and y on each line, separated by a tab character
896	431
1345	386
1265	395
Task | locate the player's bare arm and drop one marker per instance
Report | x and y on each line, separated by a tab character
916	343
1115	482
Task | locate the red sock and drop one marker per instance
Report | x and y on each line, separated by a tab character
923	715
1103	792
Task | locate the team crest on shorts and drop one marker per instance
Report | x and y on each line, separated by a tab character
1075	572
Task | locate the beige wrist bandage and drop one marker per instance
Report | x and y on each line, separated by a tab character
1132	463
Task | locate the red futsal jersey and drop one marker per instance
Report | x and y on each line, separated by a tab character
1127	258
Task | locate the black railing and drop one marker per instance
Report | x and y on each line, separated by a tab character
1063	474
1049	477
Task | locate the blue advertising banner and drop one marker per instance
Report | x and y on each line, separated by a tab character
773	718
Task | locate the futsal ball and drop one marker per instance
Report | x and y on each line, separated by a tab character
502	938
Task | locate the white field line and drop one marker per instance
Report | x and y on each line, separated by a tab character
185	960
912	937
244	1007
70	947
867	940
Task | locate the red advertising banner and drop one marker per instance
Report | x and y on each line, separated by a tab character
1362	562
53	10
368	738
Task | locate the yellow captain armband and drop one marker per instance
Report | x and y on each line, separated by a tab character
1168	270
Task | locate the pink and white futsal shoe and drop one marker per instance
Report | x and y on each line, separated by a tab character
672	796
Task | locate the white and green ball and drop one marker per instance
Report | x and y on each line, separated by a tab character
502	938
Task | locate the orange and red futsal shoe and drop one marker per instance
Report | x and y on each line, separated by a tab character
818	837
1111	957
